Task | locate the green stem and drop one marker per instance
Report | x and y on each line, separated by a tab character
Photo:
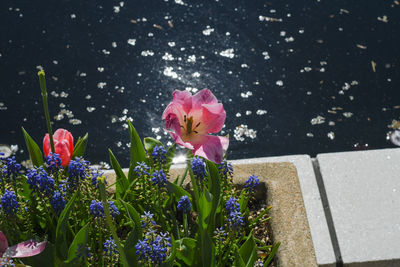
185	224
42	82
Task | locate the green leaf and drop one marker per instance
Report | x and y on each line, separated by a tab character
137	152
135	218
215	188
61	242
81	238
205	208
110	223
186	251
260	216
238	259
80	146
46	258
150	143
34	152
170	155
121	180
177	191
195	188
207	250
243	201
248	251
129	248
272	254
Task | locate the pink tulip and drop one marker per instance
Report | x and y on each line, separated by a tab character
63	145
191	118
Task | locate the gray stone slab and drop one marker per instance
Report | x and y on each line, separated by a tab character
312	201
363	190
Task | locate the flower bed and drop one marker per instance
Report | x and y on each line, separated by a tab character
64	210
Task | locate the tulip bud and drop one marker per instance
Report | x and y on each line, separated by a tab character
63	145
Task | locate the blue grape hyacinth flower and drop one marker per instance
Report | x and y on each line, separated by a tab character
159	178
184	204
159	154
251	184
9	203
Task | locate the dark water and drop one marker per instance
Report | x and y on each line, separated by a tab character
313	58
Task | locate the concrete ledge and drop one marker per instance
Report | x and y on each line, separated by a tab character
312	200
289	223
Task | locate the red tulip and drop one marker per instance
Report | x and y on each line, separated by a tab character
63	145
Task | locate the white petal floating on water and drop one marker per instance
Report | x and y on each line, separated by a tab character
246	94
117	9
266	55
75	121
191	58
229	53
6	150
147	53
196	74
168	57
331	135
169	71
2	106
261	112
395	138
132	41
347	114
180	2
242	131
101	85
208	31
317	120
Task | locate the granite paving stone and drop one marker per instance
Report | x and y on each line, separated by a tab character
363	191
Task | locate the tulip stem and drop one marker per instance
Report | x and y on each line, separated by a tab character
42	81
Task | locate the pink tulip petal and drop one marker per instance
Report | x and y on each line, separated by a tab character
177	138
213	149
213	117
25	249
183	98
203	97
204	115
3	243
